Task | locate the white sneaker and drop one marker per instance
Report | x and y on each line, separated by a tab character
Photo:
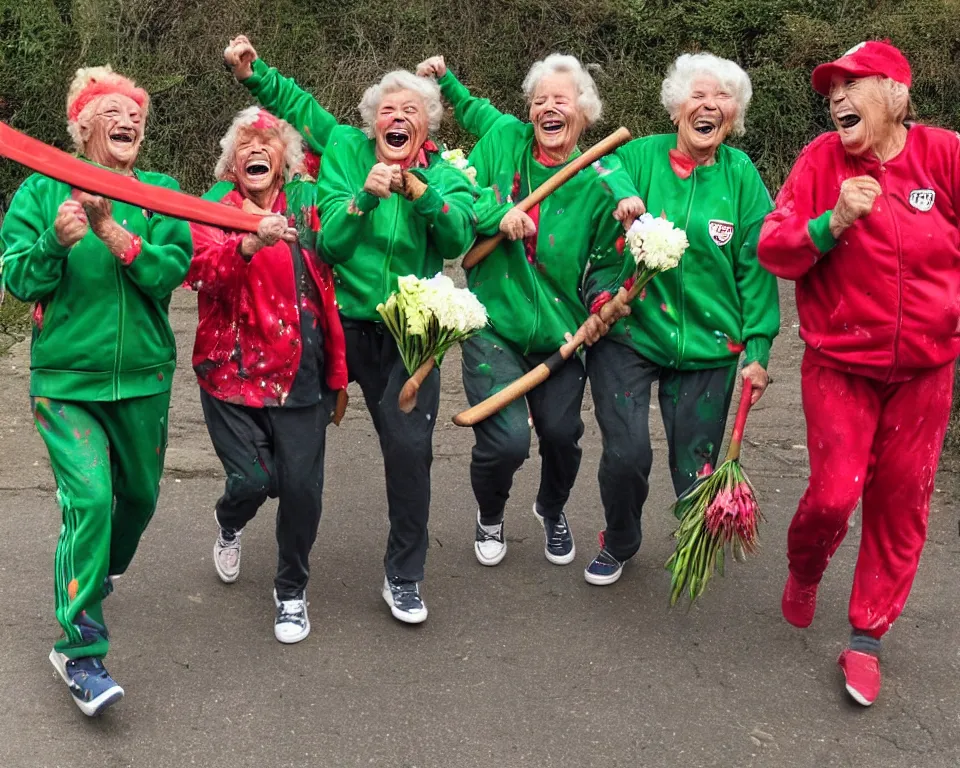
226	554
404	600
490	545
292	624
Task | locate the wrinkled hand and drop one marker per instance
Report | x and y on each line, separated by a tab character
383	180
99	212
857	196
435	66
71	225
758	377
516	225
593	330
628	210
271	230
239	55
617	308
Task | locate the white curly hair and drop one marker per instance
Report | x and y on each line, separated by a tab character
293	154
588	98
687	68
89	84
401	80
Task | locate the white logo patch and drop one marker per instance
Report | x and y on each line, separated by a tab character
922	199
721	232
855	48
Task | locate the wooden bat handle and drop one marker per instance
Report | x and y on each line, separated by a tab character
485	247
408	394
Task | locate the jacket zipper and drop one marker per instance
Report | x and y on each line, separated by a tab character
121	306
896	229
682	340
386	262
534	327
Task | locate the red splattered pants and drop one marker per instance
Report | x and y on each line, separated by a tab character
879	441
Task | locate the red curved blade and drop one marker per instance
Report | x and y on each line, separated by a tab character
59	165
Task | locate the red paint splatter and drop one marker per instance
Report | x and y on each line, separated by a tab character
446	208
663	307
706	470
38	316
735	347
159	376
621	244
314	219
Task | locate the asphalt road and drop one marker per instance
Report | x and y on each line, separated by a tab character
520	665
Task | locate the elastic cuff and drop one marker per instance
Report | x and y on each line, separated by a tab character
429	203
259	70
51	246
819	229
452	88
758	351
863	642
127	257
365	202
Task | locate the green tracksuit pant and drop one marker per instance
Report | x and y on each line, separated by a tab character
107	458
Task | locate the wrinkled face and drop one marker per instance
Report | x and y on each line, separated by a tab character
112	130
258	161
860	111
557	119
705	119
401	128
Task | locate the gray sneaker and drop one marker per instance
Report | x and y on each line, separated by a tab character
226	554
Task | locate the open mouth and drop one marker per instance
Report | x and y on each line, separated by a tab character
848	120
704	126
122	137
396	138
257	168
551	126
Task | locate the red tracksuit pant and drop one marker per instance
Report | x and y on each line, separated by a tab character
880	442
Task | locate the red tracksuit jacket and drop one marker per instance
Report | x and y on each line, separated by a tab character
883	301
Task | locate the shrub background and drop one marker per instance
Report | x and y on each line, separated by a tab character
336	48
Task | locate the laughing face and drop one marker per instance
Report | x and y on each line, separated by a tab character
859	110
557	119
112	131
258	164
705	119
401	127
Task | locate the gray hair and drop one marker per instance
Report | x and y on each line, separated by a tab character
293	154
688	67
401	80
588	99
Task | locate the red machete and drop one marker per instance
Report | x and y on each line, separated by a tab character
59	165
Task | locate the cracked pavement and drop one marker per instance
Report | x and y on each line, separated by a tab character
519	665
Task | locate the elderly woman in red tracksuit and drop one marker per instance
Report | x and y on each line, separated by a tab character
867	226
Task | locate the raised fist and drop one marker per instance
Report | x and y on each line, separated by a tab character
239	55
432	67
274	228
70	225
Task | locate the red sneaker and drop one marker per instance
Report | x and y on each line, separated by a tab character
861	672
799	602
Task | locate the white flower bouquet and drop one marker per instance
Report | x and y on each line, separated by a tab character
656	245
428	316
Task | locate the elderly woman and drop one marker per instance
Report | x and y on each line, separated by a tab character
536	286
394	207
689	328
101	359
866	225
269	354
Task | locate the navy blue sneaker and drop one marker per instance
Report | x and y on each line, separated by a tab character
404	600
88	680
558	539
604	569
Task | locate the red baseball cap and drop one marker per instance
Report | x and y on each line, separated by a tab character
864	60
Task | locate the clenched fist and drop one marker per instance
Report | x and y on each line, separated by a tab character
432	67
71	225
383	180
239	55
857	196
516	225
272	229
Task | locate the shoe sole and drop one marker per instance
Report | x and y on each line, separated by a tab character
293	638
399	615
558	559
224	577
857	696
489	561
90	708
602	581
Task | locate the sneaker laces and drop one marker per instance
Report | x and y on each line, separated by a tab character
90	666
559	532
291	611
406	594
484	534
